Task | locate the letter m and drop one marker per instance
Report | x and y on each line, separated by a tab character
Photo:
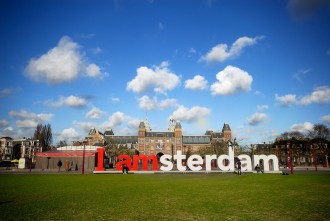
145	160
266	159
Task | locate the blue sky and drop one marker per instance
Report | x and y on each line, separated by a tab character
261	66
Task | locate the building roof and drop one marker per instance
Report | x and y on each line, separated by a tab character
108	132
160	134
67	153
206	139
121	139
178	125
226	127
142	125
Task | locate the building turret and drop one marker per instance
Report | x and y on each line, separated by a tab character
178	136
147	125
171	125
226	131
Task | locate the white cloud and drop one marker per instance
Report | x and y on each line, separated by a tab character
60	64
4	123
84	126
197	83
326	119
23	114
259	94
257	118
121	123
28	119
302	128
220	52
69	134
115	100
94	113
26	123
160	78
262	107
321	95
96	50
192	51
298	75
70	101
193	114
117	119
230	81
7	91
7	132
93	71
286	100
147	103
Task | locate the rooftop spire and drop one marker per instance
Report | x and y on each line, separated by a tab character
171	125
147	125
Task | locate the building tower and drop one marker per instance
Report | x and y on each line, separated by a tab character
141	138
226	131
171	125
147	125
178	137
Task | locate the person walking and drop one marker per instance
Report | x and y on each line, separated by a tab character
239	167
59	164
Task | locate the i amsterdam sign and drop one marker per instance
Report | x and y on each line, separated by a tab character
194	162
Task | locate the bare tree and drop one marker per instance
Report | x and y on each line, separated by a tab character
291	135
44	134
320	131
62	143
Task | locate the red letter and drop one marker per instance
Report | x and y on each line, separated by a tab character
145	160
127	161
100	159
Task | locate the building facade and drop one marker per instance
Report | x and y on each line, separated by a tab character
18	148
167	142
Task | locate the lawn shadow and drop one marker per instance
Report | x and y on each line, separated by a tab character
4	202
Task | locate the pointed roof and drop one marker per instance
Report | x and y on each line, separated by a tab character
147	125
226	127
142	125
92	131
178	125
171	125
109	132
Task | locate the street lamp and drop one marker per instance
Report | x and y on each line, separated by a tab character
83	161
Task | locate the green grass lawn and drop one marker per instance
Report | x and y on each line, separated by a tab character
165	197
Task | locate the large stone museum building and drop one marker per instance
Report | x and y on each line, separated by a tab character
164	142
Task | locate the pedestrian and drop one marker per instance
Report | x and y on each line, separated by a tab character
71	165
239	164
124	168
59	164
261	167
257	168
